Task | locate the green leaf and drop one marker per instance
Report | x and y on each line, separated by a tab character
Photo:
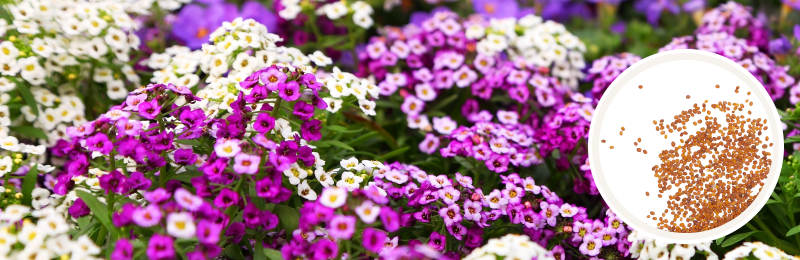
259	254
28	131
772	201
191	142
186	176
288	216
792	139
273	254
736	238
793	231
342	129
28	184
233	252
99	210
719	240
392	154
338	144
26	95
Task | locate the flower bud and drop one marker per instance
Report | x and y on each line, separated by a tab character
18	195
528	204
567	229
476	197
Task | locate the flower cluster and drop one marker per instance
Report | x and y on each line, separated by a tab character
606	69
511	246
734	18
344	86
772	75
52	114
40	234
359	11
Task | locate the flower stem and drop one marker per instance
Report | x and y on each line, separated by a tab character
765	228
277	107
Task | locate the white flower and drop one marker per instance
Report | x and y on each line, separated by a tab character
96	48
40	47
84	247
290	12
244	62
115	89
306	192
94	25
40	198
227	46
14	213
31	70
181	225
158	61
333	197
9	143
338	88
497	246
320	59
362	19
368	107
349	181
368	212
349	164
5	116
30	234
6	241
26	27
335	10
6	164
49	119
219	65
325	178
295	173
7	50
53	225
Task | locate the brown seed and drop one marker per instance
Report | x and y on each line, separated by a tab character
620	133
603	141
748	93
622	128
717	86
640	86
639	139
644	151
635	143
638	149
687	96
611	147
647	193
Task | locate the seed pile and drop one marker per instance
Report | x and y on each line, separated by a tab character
712	171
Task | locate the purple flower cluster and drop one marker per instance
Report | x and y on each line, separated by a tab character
296	32
466	211
152	138
734	18
773	76
606	69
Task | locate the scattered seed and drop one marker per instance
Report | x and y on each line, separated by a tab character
603	141
611	147
687	96
647	193
640	86
717	86
639	139
638	149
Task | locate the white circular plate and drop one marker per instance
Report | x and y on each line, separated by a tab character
623	175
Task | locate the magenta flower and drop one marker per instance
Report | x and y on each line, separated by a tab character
437	241
497	163
303	110
591	245
226	198
185	157
342	227
472	210
208	232
324	249
390	219
123	250
373	239
187	200
273	78
449	194
148	216
99	143
149	109
79	209
450	214
289	91
430	144
113	182
160	247
246	164
311	130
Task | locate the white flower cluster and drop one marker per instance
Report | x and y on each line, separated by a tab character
361	11
354	174
758	250
144	7
46	238
74	40
342	84
542	45
56	113
238	49
511	246
643	248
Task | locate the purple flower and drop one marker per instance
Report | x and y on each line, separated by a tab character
591	245
273	78
497	163
194	23
185	157
99	143
149	109
449	194
311	130
472	210
437	241
123	250
474	237
390	219
235	232
246	164
780	45
226	198
324	249
113	182
148	216
264	123
252	216
430	144
303	110
450	214
373	239
496	8
79	209
157	196
208	232
457	230
160	247
289	91
342	227
124	216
